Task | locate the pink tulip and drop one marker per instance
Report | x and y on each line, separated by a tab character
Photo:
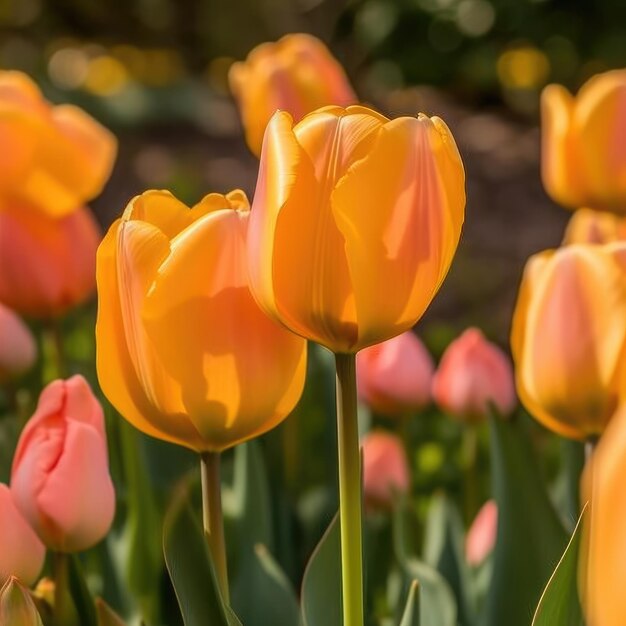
394	377
481	537
21	552
17	346
385	468
60	475
47	264
473	373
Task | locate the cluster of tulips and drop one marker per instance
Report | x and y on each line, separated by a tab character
205	314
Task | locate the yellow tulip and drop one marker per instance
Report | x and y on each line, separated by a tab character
183	351
54	158
297	74
589	226
569	336
355	222
602	566
584	143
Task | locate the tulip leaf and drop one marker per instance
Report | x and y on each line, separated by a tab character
530	536
106	615
191	568
411	615
559	604
17	606
444	550
437	603
144	559
321	584
79	591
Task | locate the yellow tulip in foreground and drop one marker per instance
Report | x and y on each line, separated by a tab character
569	337
296	74
584	143
355	222
184	352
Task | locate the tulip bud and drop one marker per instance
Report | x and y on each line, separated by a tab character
602	562
47	264
18	351
568	337
472	374
54	158
394	377
355	222
385	468
183	350
481	537
583	150
60	475
296	74
16	606
21	552
588	226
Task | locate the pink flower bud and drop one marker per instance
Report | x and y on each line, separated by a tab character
60	476
17	346
21	552
395	376
385	468
481	537
473	373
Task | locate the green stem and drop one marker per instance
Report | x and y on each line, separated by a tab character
470	474
55	351
349	491
64	609
212	517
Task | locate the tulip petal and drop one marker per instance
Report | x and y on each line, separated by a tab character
116	371
227	338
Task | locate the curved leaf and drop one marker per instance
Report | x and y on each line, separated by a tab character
411	615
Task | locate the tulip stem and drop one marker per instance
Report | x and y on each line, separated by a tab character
212	517
64	609
349	491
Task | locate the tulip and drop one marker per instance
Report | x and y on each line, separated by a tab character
47	264
183	351
60	474
54	158
588	226
16	606
296	74
354	224
473	374
568	337
481	537
602	565
385	468
394	377
583	160
18	351
21	552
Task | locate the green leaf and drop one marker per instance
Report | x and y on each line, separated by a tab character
321	585
16	606
106	615
270	597
437	602
444	550
79	592
191	568
559	604
530	535
411	615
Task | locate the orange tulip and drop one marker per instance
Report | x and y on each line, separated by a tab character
53	158
394	377
296	74
584	143
355	222
183	351
603	552
47	264
589	226
18	350
473	374
569	336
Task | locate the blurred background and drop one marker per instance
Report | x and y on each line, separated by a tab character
155	72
